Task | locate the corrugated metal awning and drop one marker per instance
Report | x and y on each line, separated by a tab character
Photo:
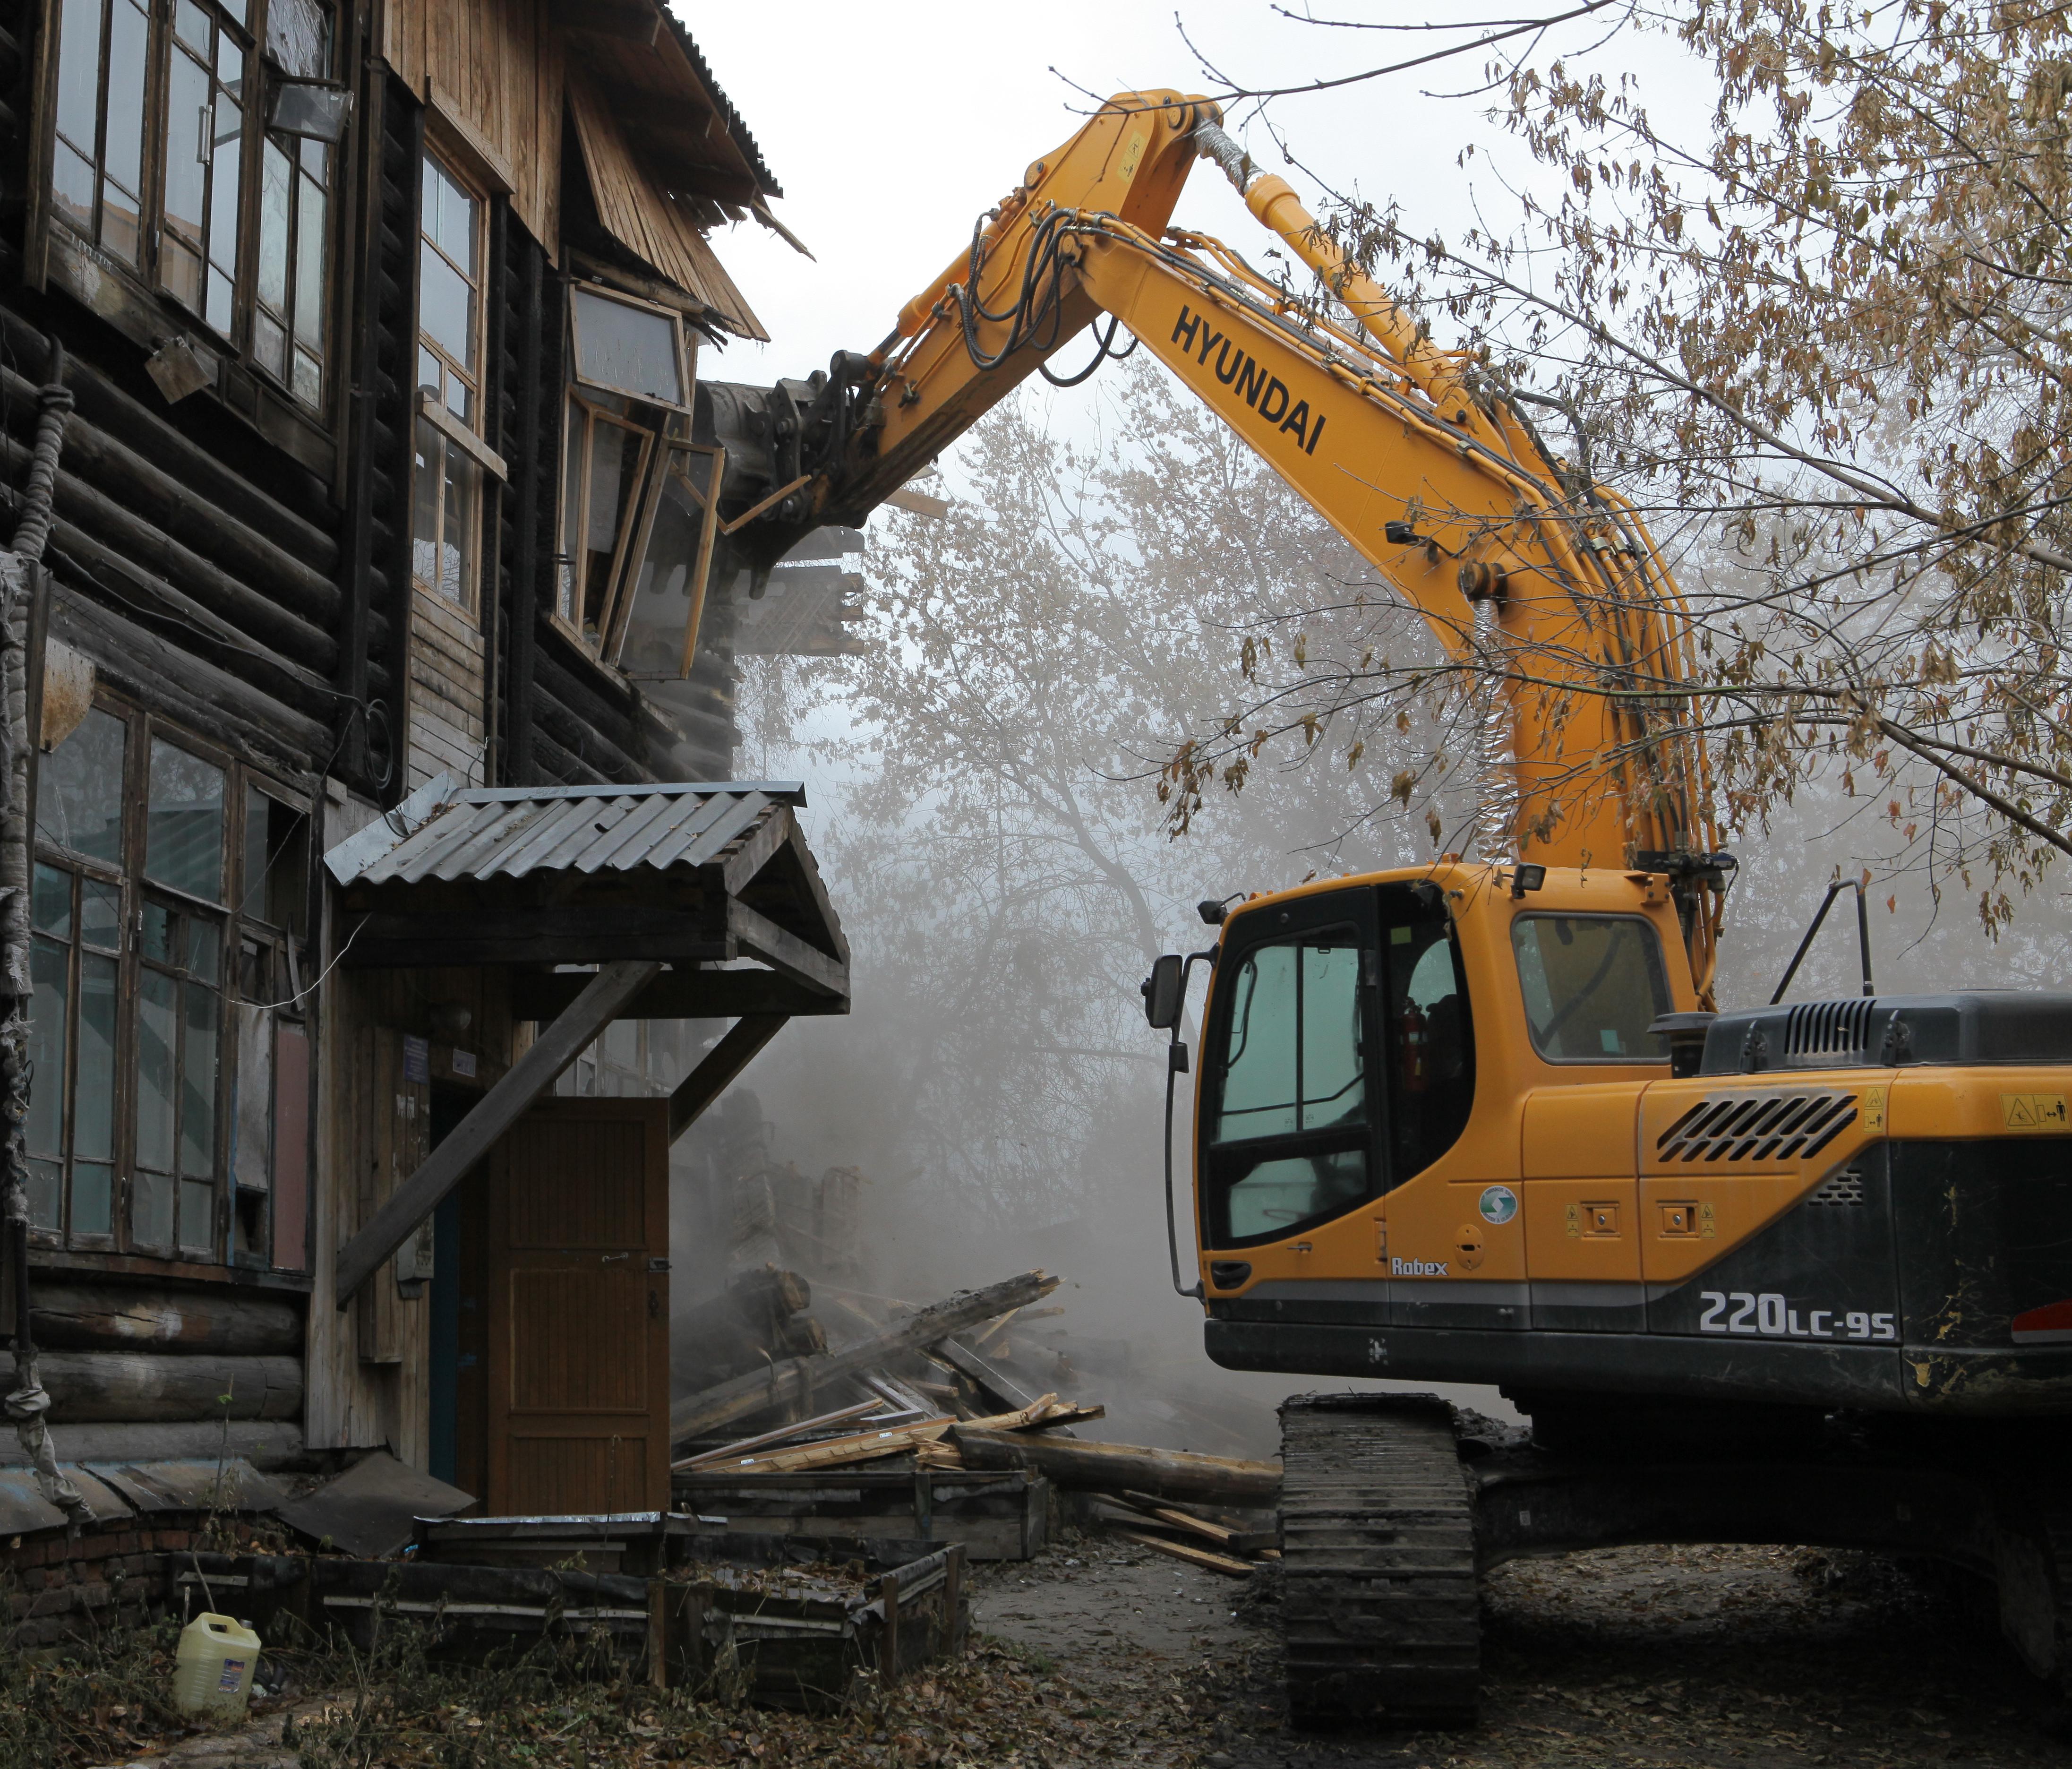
444	832
694	875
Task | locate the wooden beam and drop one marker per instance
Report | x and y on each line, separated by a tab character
580	934
784	1383
1123	1467
810	872
541	1065
679	994
1224	1564
721	1063
786	953
623	21
754	853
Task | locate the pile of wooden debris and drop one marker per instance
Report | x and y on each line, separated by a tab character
925	1392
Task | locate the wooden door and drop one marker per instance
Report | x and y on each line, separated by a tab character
578	1346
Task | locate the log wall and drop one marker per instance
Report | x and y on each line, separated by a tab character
261	599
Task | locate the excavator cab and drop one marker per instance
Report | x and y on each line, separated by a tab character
1338	1060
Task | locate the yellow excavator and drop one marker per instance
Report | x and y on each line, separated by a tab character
1800	1274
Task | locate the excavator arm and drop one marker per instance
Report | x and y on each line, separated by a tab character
1548	588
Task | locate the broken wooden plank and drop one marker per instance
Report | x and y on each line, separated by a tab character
1043	1414
1122	1467
783	1434
798	1377
1004	1392
837	1452
1230	1539
1200	1557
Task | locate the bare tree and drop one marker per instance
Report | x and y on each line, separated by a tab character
1816	333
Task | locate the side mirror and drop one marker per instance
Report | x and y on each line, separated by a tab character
1165	992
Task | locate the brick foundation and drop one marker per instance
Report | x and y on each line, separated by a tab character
118	1573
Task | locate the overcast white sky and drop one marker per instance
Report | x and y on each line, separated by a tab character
892	125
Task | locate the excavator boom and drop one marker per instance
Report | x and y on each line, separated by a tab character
1545	589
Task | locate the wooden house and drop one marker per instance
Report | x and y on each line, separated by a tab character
381	667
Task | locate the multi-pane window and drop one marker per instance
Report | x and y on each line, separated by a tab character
639	503
137	1096
447	472
291	318
202	134
158	137
78	914
98	160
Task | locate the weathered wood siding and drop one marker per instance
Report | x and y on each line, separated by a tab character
447	689
495	68
369	1373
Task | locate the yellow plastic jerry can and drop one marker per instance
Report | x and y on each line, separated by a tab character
213	1668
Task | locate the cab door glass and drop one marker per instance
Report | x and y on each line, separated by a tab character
1291	1142
1295	1059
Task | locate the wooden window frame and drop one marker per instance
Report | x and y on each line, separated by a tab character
134	295
706	497
465	433
603	292
141	728
666	426
573	553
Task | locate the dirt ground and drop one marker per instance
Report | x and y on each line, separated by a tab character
1690	1657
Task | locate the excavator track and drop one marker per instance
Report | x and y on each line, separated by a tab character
1380	1612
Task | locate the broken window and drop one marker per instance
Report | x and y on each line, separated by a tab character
136	1070
604	463
446	474
638	501
173	209
624	346
675	562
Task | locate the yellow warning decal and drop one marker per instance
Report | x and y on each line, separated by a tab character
2034	1112
1873	1104
1132	155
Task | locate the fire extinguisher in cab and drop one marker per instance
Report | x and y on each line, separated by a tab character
1415	1047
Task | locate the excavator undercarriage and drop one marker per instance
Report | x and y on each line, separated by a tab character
1393	1505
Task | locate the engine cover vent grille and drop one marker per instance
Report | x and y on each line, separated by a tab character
1845	1188
1758	1127
1828	1035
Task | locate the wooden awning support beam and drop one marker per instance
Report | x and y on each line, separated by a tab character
722	1062
542	1064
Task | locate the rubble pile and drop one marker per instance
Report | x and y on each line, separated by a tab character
925	1388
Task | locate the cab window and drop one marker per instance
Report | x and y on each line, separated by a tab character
1430	1036
1290	1138
1593	984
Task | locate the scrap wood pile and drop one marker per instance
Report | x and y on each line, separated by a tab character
929	1393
